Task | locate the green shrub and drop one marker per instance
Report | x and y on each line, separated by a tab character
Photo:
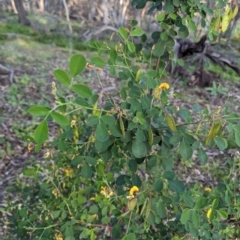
111	172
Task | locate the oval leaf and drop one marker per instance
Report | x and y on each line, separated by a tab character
185	215
171	123
77	64
131	46
38	111
123	33
158	49
185	150
101	133
139	149
137	32
221	143
108	119
176	186
161	210
60	119
98	62
41	132
62	77
82	90
86	171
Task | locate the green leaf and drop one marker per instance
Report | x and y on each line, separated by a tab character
86	171
123	33
215	203
131	46
158	185
169	175
38	111
237	137
130	236
59	118
183	32
176	186
56	213
195	219
139	149
176	139
77	64
23	212
115	130
225	22
140	137
121	180
188	200
98	62
62	77
101	132
185	150
185	215
41	132
171	123
82	90
132	164
90	160
132	204
136	181
202	156
116	231
108	119
176	3
160	17
137	32
113	56
158	49
161	210
152	162
192	25
63	215
200	203
62	108
101	146
221	143
193	230
223	214
93	120
168	7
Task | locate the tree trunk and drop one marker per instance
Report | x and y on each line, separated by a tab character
41	5
22	18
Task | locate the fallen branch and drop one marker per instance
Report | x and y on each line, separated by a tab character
185	47
5	70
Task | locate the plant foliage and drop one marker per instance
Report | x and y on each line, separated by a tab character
109	172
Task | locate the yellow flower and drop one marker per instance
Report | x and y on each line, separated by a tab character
209	212
30	147
47	154
106	192
68	171
73	123
93	198
54	89
133	190
208	189
55	193
163	86
58	236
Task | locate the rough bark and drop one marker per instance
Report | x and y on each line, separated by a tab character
22	16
